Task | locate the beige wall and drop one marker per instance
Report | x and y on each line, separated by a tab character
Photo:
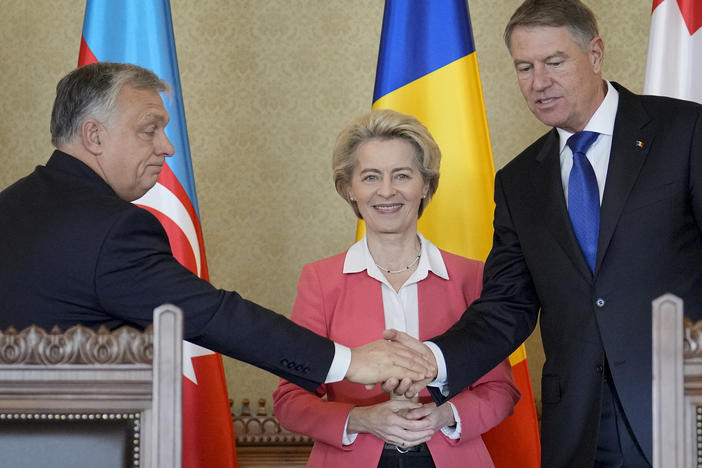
267	85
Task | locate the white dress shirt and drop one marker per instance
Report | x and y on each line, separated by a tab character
602	122
401	307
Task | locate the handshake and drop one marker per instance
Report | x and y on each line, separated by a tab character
403	364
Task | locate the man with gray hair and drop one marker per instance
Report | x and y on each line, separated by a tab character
74	249
593	221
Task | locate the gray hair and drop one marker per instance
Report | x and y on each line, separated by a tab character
385	124
91	91
573	14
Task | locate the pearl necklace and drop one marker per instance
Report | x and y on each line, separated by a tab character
402	270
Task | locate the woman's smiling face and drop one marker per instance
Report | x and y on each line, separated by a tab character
387	185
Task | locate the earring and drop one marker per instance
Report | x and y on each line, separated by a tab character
351	198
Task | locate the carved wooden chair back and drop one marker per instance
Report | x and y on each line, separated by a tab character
85	398
677	386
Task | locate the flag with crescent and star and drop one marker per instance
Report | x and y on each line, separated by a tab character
141	32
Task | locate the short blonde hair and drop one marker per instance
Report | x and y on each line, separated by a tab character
385	124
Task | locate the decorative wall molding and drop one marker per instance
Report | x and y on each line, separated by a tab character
261	427
261	442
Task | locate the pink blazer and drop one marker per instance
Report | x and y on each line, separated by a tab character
348	308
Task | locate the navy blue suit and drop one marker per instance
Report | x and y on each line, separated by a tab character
650	243
73	252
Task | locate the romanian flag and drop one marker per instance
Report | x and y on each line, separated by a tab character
427	67
141	32
674	65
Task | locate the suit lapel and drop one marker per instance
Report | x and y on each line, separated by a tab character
548	188
630	146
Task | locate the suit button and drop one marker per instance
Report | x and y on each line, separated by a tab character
599	368
600	302
291	365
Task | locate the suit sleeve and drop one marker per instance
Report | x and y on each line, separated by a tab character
501	318
299	410
491	399
136	272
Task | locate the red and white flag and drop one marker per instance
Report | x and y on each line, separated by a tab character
674	65
141	32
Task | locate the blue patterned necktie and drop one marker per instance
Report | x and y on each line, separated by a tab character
584	196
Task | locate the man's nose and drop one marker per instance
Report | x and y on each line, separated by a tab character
542	78
165	147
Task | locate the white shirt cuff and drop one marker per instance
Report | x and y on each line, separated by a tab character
340	365
441	375
348	439
453	432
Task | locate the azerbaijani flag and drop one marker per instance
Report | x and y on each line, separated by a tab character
674	65
427	67
141	32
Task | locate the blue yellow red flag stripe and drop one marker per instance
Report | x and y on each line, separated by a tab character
427	67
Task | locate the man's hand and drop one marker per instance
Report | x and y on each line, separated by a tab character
382	360
408	386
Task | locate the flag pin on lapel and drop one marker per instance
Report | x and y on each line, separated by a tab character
639	144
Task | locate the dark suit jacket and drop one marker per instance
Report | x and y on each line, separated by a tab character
650	243
73	252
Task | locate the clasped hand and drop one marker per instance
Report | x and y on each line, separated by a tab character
403	364
404	423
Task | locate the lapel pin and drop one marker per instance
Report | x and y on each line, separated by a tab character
639	143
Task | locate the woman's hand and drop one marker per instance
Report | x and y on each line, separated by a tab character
435	417
386	421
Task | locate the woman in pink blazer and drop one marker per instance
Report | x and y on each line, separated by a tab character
386	166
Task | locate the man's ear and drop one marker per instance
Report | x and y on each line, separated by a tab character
597	53
91	133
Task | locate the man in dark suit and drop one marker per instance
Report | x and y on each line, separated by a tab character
591	272
74	250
